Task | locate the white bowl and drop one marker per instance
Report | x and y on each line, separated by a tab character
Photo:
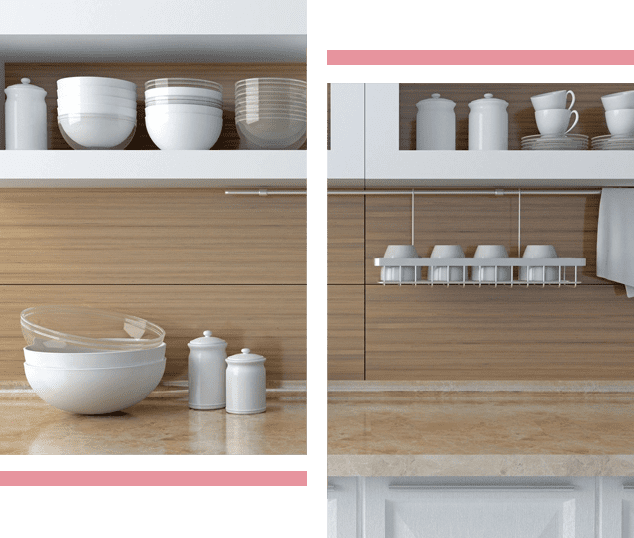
70	83
620	100
96	91
487	273
157	110
111	110
44	355
93	131
400	274
94	391
440	273
536	274
261	132
101	100
182	91
183	130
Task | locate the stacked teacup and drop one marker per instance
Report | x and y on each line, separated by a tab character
551	114
619	113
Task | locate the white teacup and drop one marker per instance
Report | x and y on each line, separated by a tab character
553	121
440	273
617	101
550	100
487	273
536	274
400	274
620	121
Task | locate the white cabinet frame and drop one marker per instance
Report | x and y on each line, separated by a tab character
347	134
386	165
342	507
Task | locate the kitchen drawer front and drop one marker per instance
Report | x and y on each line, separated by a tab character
617	507
478	508
342	507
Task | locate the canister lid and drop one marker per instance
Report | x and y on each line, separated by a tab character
207	341
488	100
436	101
26	86
245	356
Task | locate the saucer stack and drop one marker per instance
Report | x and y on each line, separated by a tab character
611	142
555	142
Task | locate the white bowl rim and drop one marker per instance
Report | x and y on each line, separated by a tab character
93	353
162	361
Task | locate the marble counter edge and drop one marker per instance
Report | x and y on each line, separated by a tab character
482	386
481	465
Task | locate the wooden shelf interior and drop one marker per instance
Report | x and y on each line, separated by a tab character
520	110
46	75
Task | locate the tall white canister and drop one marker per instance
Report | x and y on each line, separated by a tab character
207	372
488	123
25	116
435	123
246	383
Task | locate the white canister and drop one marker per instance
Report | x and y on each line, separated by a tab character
25	117
488	124
246	383
435	124
207	371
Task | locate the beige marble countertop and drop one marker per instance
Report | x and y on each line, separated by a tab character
160	424
480	434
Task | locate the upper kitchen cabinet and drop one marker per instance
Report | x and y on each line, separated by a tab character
391	158
346	135
220	41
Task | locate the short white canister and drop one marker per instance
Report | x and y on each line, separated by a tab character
246	383
488	124
25	116
436	124
207	371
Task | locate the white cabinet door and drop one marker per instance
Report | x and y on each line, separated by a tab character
342	507
617	507
347	135
479	508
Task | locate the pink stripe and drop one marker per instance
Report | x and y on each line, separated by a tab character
153	478
481	57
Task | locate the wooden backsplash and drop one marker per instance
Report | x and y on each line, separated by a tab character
520	110
473	333
187	259
46	76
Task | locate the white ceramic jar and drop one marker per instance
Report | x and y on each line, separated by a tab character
25	116
435	124
488	124
246	383
207	372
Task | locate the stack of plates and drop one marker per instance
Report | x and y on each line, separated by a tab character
555	142
611	142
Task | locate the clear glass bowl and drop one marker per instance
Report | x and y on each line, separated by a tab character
152	101
270	81
263	132
183	82
88	328
96	131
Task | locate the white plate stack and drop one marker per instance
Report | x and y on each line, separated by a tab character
271	113
555	142
183	113
612	142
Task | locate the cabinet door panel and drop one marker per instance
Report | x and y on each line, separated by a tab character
342	507
617	507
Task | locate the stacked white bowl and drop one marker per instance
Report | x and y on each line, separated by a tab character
183	113
88	361
619	113
271	113
96	112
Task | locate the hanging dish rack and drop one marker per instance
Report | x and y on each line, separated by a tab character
528	265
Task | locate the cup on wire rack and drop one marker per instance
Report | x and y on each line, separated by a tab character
486	273
439	274
536	274
400	274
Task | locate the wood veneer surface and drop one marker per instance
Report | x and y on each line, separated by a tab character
520	110
345	332
345	239
270	320
150	236
46	76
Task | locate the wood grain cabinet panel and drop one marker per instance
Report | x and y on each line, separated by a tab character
345	239
270	320
46	76
485	333
150	236
345	332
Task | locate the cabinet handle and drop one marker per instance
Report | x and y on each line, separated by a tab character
405	487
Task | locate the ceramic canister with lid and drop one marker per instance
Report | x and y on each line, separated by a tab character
246	383
435	124
207	371
488	123
25	116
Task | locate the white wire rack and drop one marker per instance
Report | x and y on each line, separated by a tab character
537	272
